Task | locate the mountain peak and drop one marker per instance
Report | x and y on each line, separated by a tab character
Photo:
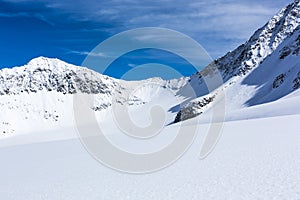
263	43
43	59
52	74
48	63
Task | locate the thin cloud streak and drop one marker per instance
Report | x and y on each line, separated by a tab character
86	53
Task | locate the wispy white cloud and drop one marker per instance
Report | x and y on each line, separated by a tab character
229	21
218	25
237	18
86	53
132	65
232	20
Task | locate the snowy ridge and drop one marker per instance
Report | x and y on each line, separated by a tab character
39	95
50	74
44	74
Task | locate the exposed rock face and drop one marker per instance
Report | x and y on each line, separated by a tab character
193	109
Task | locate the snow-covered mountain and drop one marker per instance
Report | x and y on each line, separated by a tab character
39	95
264	69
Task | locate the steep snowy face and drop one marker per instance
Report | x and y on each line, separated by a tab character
263	43
264	69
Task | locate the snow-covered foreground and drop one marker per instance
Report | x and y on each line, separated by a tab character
254	159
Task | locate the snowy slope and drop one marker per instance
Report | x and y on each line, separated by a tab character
255	159
264	69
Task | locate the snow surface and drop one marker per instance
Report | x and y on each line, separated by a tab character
255	159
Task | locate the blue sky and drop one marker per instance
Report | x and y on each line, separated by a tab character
68	30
